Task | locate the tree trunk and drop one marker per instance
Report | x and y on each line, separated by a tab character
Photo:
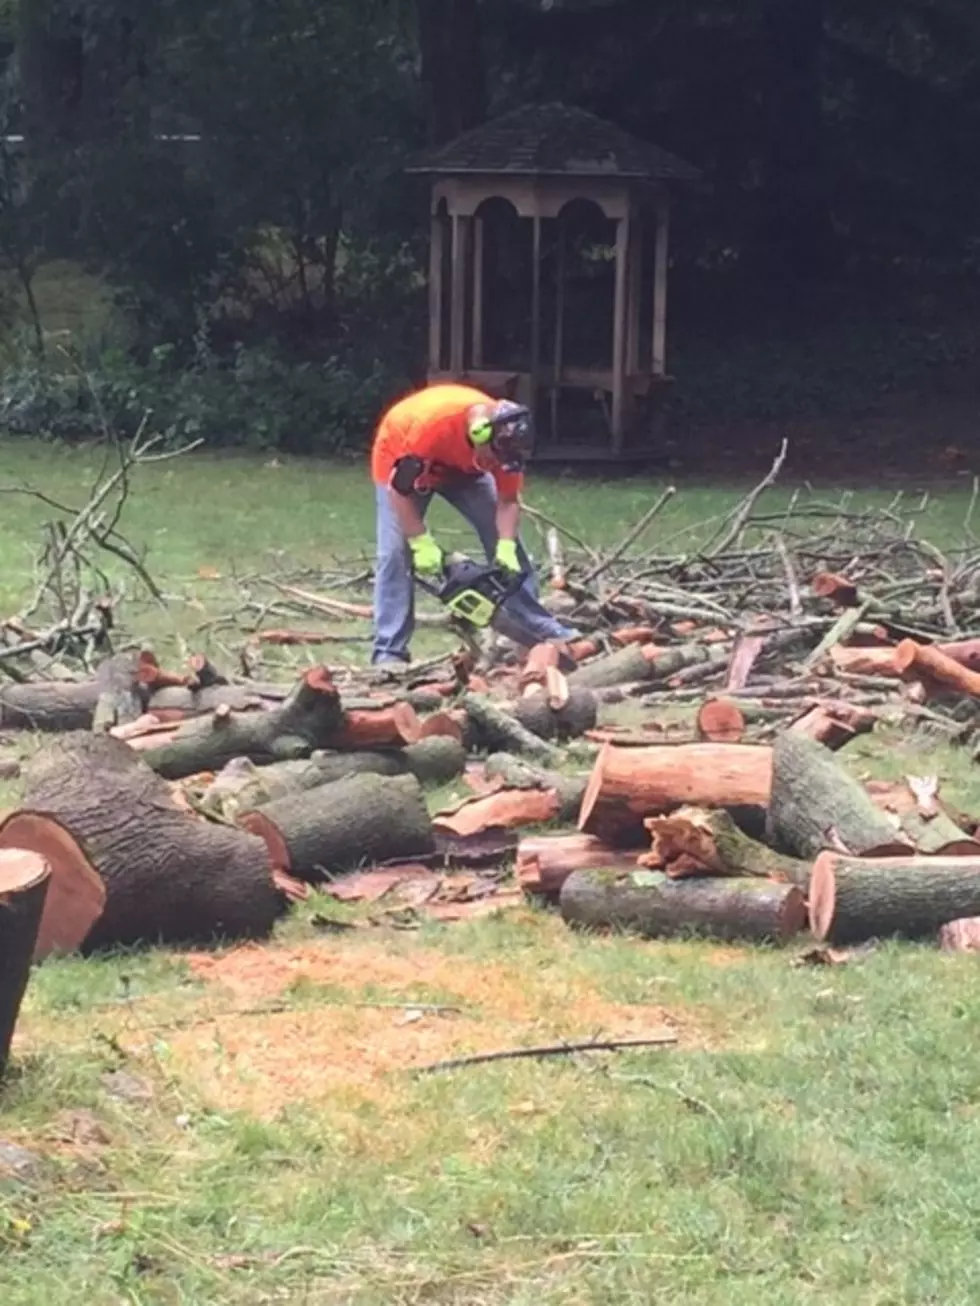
24	878
75	897
628	784
650	904
545	861
853	899
693	841
720	721
815	801
624	667
926	827
453	66
169	875
50	707
343	826
573	718
961	936
833	724
496	728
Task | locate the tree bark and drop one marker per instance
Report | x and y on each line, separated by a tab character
853	898
76	896
928	828
833	724
24	878
628	784
346	825
632	663
518	774
169	875
650	904
545	861
50	707
961	935
815	802
453	66
496	728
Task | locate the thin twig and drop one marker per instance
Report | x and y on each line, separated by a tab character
548	1050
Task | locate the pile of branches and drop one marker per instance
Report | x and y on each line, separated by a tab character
183	804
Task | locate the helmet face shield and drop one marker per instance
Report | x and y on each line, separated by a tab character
508	431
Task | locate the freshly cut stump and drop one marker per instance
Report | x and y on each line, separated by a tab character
24	878
75	897
544	862
815	802
650	904
340	827
855	898
170	876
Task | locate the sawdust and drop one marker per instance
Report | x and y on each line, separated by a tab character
352	1055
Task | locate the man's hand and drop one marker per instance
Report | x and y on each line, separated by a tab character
426	555
506	556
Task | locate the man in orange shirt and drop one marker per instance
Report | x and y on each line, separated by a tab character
460	443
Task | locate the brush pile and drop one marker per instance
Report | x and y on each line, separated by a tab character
688	740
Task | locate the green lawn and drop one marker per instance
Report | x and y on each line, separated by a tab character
810	1138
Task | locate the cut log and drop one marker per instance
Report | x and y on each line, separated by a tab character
867	661
628	784
720	721
854	898
816	804
505	809
519	774
964	651
696	841
633	635
838	589
495	728
579	650
342	826
544	862
309	718
634	662
447	724
169	875
928	663
24	878
833	724
49	706
961	936
540	659
650	904
578	714
196	702
121	694
75	897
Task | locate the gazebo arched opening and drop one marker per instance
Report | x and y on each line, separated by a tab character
548	273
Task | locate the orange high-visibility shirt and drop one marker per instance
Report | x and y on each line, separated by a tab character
431	425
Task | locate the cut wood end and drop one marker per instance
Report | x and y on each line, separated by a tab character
258	824
320	680
828	585
720	721
822	900
594	787
407	722
221	715
20	870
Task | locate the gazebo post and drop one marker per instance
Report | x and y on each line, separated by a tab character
436	228
457	316
635	278
535	308
659	359
478	292
620	315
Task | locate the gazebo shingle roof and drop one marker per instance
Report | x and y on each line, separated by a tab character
554	140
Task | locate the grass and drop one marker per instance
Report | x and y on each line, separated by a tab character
808	1140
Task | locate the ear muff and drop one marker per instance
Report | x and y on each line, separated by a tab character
480	430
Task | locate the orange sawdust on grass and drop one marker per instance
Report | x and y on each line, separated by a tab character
261	1063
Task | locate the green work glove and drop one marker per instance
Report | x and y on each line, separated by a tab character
506	556
426	555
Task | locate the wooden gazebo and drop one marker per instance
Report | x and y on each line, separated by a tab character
541	159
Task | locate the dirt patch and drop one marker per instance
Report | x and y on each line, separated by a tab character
261	1063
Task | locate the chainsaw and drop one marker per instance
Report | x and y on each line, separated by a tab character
476	594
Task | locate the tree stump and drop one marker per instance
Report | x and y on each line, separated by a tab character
24	878
75	897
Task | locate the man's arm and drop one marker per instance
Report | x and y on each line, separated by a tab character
508	518
406	514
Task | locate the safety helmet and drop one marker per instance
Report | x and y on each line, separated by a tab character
507	428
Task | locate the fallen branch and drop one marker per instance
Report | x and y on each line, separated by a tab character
548	1050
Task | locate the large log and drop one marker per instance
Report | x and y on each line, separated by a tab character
170	876
75	897
922	820
50	706
961	935
628	784
24	878
698	841
817	804
833	724
572	718
345	825
650	904
626	665
497	729
853	898
545	861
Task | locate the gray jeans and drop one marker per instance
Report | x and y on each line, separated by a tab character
475	498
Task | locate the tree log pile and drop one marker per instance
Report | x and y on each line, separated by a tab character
673	771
